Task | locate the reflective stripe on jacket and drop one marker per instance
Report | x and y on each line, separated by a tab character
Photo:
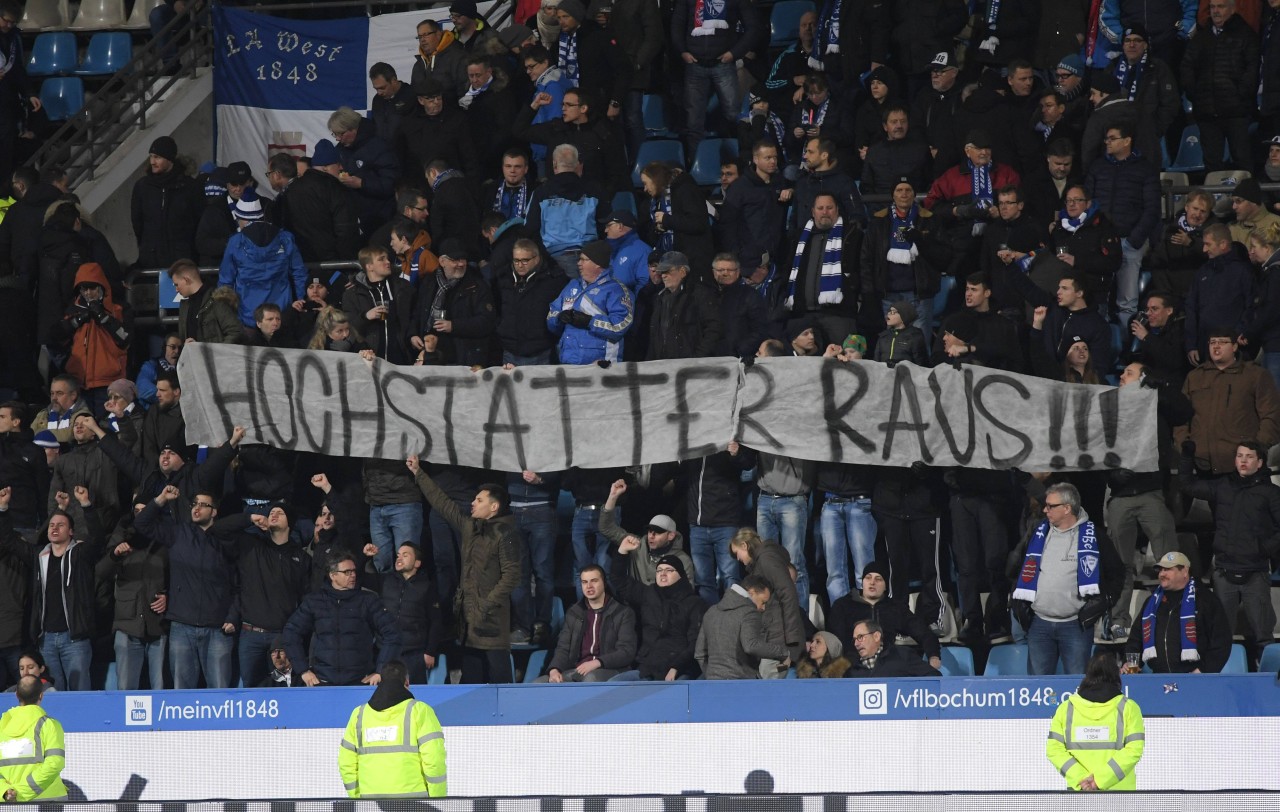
1102	739
395	753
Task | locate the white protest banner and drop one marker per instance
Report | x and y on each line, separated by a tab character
553	417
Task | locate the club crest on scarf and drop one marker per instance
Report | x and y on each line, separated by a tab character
1029	571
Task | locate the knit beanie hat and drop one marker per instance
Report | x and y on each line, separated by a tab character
248	207
325	153
165	147
125	389
675	563
834	647
598	251
906	310
574	8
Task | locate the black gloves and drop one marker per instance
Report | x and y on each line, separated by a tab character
910	234
575	318
1022	613
1189	448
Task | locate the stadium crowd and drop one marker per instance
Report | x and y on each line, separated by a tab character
489	218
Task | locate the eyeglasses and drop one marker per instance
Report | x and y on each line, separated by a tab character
666	570
1134	40
531	66
858	638
344	572
1077	200
1220	342
571	104
1111	138
1048	506
428	35
521	260
1063	74
203	505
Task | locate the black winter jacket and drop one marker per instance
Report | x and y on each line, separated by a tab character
78	573
832	181
1262	319
744	321
715	488
388	338
601	154
388	482
1270	59
1062	325
604	70
686	322
372	160
688	222
893	615
333	634
455	212
616	649
523	306
926	268
148	480
894	661
469	306
422	139
272	579
889	161
414	603
1128	193
1246	535
1213	634
215	229
1220	73
922	28
201	564
322	216
670	619
166	210
1016	27
752	220
23	226
137	577
23	469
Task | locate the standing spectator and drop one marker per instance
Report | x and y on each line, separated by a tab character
630	258
63	587
906	512
547	78
379	306
22	468
524	297
395	510
823	114
753	216
732	642
272	575
410	596
1247	202
1013	233
393	100
472	30
331	636
902	259
37	777
533	497
1219	296
1004	32
435	131
858	31
164	362
710	37
262	262
1269	84
1071	321
514	189
921	30
491	105
15	86
1262	319
714	499
979	504
282	673
1053	122
1170	23
1147	81
846	527
1126	188
166	208
139	576
600	155
637	27
316	209
893	615
821	172
369	166
441	57
1178	252
204	315
933	109
677	216
598	640
899	155
1110	108
1070	574
1159	337
686	316
901	339
456	305
455	212
1233	400
1045	186
1220	77
85	464
661	538
591	58
164	424
594	311
65	403
964	198
824	270
670	617
743	315
490	572
94	334
782	516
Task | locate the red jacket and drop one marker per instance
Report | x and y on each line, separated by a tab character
955	186
99	341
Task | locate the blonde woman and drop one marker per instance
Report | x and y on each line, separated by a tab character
1262	319
335	333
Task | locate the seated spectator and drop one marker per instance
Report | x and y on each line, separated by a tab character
662	540
686	315
598	640
333	332
65	402
1182	628
282	673
268	319
455	212
902	340
732	641
123	415
524	297
167	360
878	659
262	263
31	664
411	246
1159	337
823	658
892	614
630	255
670	616
1178	252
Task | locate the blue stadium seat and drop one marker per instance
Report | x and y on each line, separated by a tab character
654	112
440	674
946	285
1237	662
52	54
62	97
706	161
626	201
1144	282
108	52
957	661
1164	154
1010	660
784	21
669	151
1190	156
536	661
1270	659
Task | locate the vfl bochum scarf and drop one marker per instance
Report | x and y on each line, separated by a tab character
827	38
667	238
980	177
1073	223
1130	76
569	55
814	118
1086	563
512	202
829	289
708	17
993	12
443	176
1186	627
902	252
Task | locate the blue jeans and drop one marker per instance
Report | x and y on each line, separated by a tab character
699	83
568	262
196	649
628	676
846	528
389	527
712	561
584	532
131	654
541	359
537	526
786	520
68	660
1048	640
924	311
254	652
1127	283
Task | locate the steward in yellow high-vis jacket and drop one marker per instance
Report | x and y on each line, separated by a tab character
1097	735
393	746
32	750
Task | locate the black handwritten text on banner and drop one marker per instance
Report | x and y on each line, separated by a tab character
550	418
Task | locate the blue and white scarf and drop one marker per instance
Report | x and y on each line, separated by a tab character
980	179
776	131
512	202
827	38
708	17
443	176
902	251
1130	76
1186	626
1087	563
810	117
1186	227
666	238
830	289
993	13
1071	224
569	55
113	422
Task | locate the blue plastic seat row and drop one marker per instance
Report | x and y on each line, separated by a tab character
56	54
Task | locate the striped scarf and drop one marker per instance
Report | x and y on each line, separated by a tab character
827	38
443	176
569	55
512	202
993	12
811	117
1073	223
113	422
774	130
1087	561
667	237
901	250
1130	76
1187	623
830	290
708	17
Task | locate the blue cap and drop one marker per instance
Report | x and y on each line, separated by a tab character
45	439
325	153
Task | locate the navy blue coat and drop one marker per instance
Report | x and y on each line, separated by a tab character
337	628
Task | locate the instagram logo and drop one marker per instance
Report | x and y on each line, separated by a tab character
873	699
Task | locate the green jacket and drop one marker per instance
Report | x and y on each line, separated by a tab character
216	320
32	755
1102	739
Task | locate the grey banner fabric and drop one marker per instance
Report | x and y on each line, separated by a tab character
550	418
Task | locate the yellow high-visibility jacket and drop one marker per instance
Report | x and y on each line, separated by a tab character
1102	739
32	755
393	753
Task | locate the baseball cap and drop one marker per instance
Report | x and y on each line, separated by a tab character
1173	560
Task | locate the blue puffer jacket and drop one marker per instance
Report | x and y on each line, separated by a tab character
338	627
1128	192
262	264
630	261
608	302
